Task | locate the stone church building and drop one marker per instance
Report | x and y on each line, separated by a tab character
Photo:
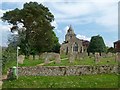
72	44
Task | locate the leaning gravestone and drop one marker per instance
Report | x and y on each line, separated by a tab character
21	59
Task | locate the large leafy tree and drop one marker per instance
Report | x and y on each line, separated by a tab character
38	35
96	45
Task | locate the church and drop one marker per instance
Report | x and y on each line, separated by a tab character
72	44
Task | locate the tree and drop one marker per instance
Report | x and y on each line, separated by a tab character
96	45
111	49
38	35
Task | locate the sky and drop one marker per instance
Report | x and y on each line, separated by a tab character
87	17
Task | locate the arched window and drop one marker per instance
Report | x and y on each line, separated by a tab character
66	50
81	50
75	47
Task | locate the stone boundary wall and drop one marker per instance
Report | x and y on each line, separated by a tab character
67	70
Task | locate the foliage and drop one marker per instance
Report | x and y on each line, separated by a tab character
83	81
96	44
8	55
111	49
37	35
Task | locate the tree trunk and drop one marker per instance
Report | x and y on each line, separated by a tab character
33	56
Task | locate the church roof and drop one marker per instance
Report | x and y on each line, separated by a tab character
70	30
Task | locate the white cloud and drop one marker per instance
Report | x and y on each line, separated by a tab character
83	37
20	25
66	1
109	43
54	23
109	16
3	11
72	9
84	12
5	27
66	28
76	21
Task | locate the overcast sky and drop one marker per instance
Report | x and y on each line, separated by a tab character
87	17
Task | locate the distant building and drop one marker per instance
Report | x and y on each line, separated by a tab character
117	46
72	44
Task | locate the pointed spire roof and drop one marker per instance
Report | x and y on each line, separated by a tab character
70	30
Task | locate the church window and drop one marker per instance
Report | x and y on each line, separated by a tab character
75	47
81	50
66	50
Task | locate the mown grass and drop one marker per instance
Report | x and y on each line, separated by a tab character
63	56
83	81
26	63
87	61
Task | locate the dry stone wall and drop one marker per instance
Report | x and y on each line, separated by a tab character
66	70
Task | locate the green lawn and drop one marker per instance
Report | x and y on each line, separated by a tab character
86	61
63	56
83	81
26	63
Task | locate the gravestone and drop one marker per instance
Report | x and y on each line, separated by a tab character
47	57
43	55
36	57
97	57
71	58
21	59
31	57
109	54
117	57
104	55
46	60
57	58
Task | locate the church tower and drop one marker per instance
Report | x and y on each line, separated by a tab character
70	34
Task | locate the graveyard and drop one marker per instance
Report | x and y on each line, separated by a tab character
72	81
35	58
71	68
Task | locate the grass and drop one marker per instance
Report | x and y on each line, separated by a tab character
26	63
86	61
83	81
63	56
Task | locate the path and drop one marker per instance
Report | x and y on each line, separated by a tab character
50	62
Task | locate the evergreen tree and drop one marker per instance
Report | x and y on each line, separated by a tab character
96	45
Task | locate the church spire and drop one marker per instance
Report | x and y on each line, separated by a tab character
70	30
70	34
